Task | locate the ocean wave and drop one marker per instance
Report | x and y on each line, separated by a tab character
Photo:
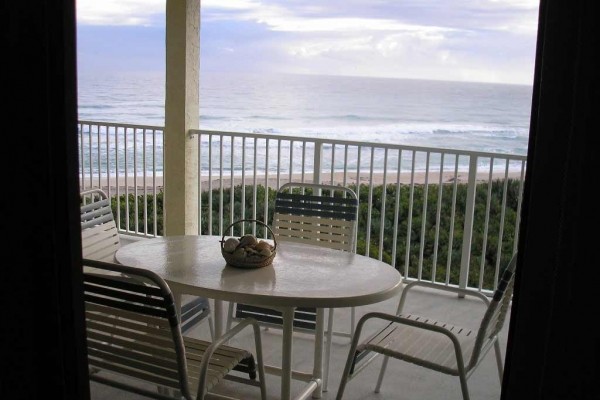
429	114
467	137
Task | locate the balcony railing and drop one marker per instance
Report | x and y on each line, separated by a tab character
445	216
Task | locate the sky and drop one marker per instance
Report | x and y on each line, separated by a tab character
456	40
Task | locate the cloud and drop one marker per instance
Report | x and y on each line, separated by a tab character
492	40
319	48
120	12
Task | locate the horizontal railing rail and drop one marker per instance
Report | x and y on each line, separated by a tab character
446	216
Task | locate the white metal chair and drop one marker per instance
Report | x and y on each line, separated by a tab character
99	234
433	344
100	241
134	339
316	214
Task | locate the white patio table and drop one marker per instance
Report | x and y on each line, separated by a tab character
301	276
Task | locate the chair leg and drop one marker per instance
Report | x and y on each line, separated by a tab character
381	373
462	375
328	339
499	359
349	361
260	362
352	320
463	386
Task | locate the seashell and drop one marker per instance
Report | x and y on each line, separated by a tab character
263	245
250	250
265	252
239	253
248	240
230	245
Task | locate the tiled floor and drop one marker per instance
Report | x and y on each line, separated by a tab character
403	381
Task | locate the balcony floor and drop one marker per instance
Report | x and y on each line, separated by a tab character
402	381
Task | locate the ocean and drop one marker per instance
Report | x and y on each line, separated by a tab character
451	115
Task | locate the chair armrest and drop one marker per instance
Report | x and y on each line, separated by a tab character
223	340
407	321
441	288
358	353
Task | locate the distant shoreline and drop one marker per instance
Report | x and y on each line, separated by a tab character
419	178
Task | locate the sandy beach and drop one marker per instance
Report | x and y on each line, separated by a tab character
273	181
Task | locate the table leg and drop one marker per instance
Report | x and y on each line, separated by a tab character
286	359
218	313
318	359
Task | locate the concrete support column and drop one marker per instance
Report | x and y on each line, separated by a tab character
181	115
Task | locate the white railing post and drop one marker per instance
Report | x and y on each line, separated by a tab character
110	163
465	257
318	159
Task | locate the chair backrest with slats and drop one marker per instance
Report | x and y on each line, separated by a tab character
100	241
99	233
495	315
323	215
132	325
305	318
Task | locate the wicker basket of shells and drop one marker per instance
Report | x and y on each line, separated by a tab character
247	251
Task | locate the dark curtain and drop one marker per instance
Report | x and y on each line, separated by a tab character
552	349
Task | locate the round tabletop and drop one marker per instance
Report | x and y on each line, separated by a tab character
300	276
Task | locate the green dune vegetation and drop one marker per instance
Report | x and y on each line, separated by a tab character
415	227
